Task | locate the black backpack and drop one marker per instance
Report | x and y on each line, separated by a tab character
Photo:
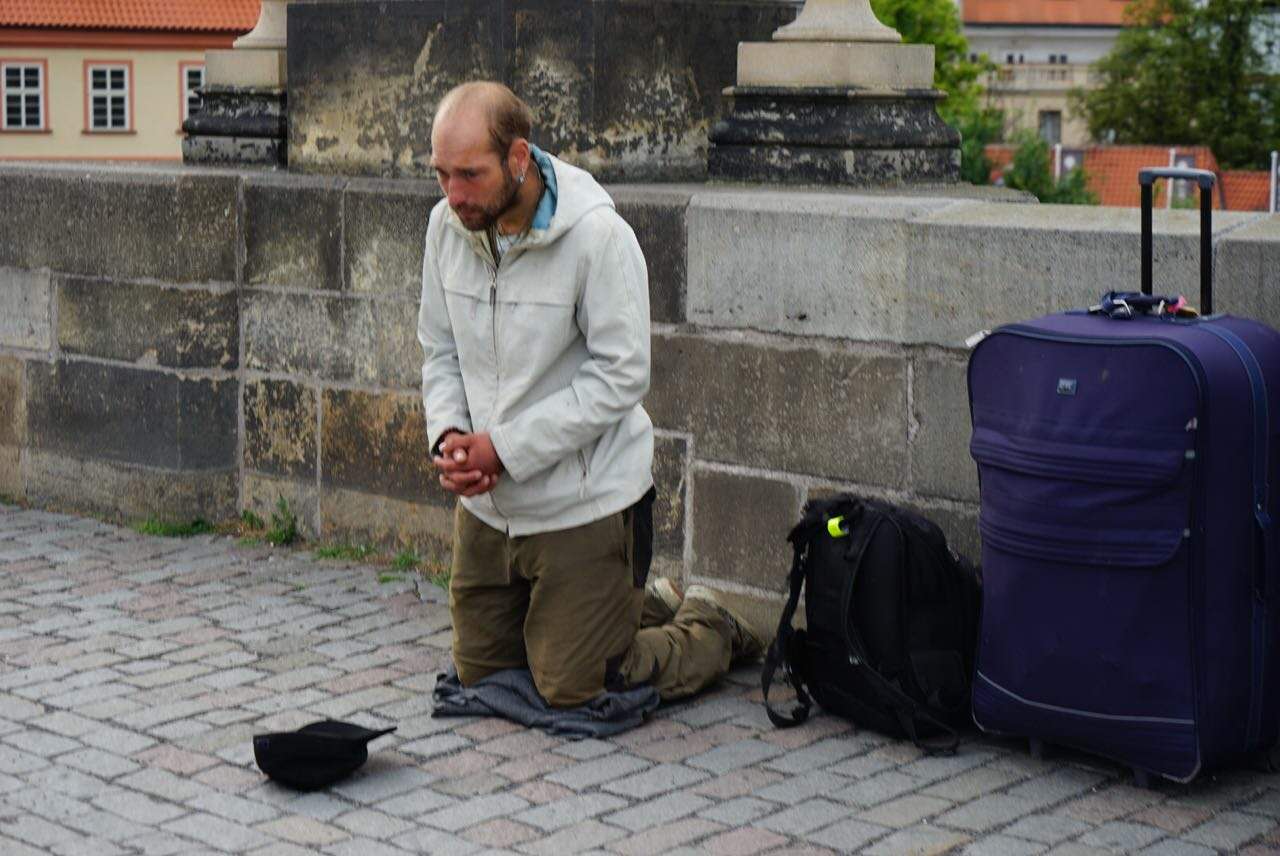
892	622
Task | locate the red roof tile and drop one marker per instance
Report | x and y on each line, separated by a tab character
185	15
1112	173
1246	190
1077	13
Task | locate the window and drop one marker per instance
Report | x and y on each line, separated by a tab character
23	85
108	94
1051	126
192	79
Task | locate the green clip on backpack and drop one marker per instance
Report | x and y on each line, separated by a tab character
892	621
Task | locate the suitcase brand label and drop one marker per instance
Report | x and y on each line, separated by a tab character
1066	386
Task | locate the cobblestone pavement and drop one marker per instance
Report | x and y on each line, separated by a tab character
135	670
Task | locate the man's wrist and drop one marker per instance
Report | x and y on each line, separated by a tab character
435	449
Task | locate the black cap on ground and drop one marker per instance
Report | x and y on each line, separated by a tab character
315	755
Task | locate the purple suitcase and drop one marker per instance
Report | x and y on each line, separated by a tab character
1128	547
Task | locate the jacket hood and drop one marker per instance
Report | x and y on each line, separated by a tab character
571	194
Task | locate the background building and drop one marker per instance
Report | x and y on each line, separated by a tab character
1043	49
104	80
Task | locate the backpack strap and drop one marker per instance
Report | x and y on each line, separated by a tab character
784	652
786	649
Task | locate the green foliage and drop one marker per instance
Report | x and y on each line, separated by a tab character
437	575
350	552
406	560
977	129
253	521
1032	170
284	525
1190	73
937	23
152	526
390	578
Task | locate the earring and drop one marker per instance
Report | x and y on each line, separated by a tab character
520	180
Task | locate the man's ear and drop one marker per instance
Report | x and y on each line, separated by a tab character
519	157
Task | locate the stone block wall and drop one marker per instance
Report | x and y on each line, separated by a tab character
180	343
627	89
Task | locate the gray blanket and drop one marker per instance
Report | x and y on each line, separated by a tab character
512	695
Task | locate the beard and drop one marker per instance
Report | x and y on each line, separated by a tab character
480	218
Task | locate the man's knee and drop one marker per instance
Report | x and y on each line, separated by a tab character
470	671
563	686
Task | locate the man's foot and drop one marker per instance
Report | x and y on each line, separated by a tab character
747	644
662	598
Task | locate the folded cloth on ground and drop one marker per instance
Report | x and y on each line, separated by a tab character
512	695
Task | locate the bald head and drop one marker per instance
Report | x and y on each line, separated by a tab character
481	155
488	105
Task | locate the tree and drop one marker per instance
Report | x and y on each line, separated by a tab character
1190	72
1032	170
937	23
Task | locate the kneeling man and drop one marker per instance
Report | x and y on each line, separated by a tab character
535	328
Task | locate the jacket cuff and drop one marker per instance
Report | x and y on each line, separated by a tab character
507	454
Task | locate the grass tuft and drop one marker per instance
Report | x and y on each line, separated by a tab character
152	526
284	525
406	560
438	575
350	552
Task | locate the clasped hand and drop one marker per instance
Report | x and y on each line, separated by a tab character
468	463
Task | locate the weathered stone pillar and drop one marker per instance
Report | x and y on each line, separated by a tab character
836	97
244	119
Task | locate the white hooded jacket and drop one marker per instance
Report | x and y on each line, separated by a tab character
548	351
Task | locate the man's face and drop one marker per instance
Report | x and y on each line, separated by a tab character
478	183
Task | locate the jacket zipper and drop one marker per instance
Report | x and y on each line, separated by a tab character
493	318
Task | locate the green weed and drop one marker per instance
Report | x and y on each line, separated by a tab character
152	526
284	525
350	552
437	574
406	560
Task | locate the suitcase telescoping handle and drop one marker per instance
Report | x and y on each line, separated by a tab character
1146	178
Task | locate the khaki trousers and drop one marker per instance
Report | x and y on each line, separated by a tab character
569	606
